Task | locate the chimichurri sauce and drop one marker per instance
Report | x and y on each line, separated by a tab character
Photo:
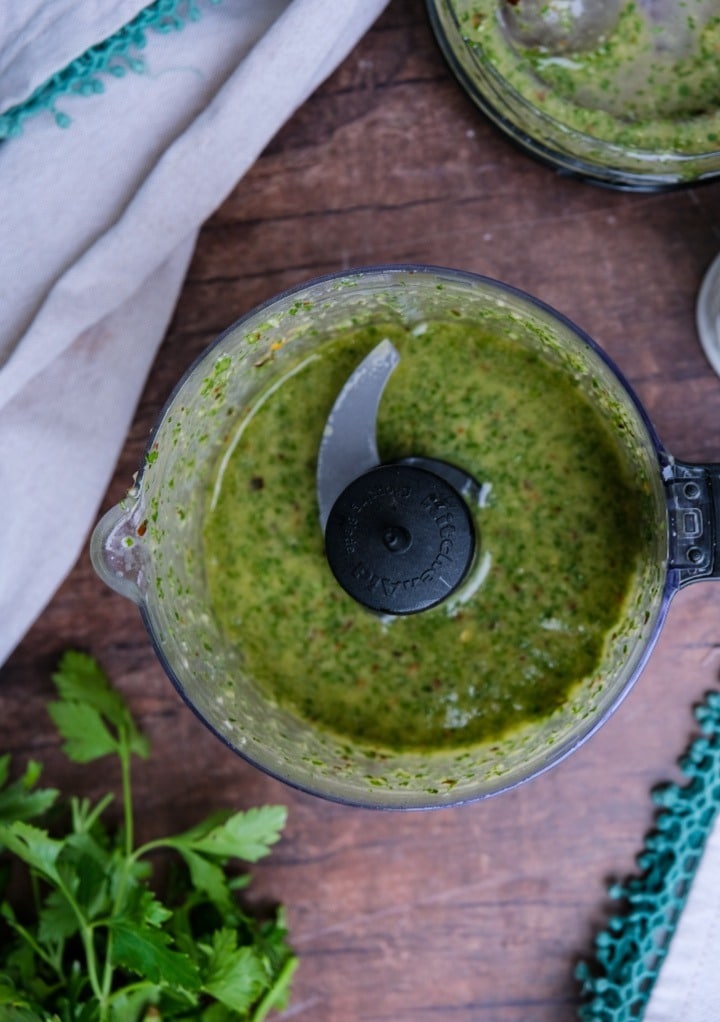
559	529
649	82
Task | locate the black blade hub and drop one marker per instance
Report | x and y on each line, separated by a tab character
399	539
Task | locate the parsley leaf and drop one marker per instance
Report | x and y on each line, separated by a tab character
99	944
18	800
146	950
91	715
34	846
245	835
236	976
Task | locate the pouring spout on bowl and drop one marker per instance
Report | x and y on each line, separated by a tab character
117	552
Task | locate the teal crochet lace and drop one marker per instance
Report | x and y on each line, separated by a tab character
112	58
629	953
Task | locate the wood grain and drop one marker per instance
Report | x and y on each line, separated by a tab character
479	912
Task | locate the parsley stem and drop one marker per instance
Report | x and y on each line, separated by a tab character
133	988
37	948
86	935
153	846
279	987
124	755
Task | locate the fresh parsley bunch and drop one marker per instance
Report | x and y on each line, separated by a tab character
100	945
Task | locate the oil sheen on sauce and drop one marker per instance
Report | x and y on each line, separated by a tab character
559	542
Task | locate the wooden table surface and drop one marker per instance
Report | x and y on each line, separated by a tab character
476	913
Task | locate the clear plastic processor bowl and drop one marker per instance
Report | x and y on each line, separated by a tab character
149	547
621	94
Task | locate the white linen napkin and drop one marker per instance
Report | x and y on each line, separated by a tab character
688	986
98	223
657	959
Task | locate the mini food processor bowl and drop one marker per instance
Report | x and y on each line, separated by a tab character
534	129
149	547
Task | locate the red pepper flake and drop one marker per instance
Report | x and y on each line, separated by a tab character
142	528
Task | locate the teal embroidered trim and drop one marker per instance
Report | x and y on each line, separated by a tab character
630	952
115	56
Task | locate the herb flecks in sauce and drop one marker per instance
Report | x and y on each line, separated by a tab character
650	83
560	533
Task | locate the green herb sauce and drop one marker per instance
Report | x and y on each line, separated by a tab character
647	84
560	540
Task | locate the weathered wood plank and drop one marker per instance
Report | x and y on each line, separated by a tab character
476	913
